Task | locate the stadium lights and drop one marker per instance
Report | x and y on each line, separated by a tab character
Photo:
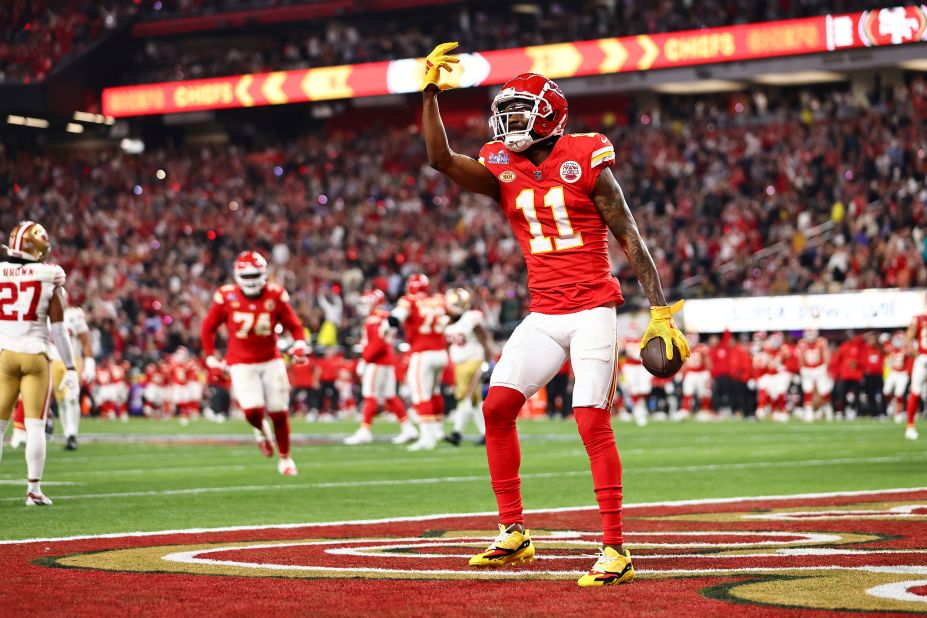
73	127
700	87
27	121
799	77
95	118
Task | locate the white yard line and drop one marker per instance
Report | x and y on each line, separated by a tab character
358	522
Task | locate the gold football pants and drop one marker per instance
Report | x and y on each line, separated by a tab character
28	374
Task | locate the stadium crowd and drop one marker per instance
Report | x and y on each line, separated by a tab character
37	35
481	25
337	211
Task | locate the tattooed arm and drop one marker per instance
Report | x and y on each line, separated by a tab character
609	200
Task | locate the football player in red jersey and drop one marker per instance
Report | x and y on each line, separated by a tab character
250	311
917	343
816	385
899	371
378	373
696	381
561	199
424	318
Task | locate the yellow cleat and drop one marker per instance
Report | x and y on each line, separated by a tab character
508	548
611	568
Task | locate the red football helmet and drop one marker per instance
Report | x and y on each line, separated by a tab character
417	284
251	272
369	301
533	99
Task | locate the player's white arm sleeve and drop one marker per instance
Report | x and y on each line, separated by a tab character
62	341
400	312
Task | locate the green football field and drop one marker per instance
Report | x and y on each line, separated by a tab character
155	475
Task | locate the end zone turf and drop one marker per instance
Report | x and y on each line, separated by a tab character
800	555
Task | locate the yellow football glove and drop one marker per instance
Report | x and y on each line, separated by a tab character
437	60
662	326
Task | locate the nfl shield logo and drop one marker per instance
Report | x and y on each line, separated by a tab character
537	174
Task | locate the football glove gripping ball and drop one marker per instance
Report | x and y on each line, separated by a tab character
435	61
662	326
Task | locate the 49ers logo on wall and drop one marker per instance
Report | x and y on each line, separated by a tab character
894	26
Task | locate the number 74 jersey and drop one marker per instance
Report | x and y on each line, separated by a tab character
561	233
250	323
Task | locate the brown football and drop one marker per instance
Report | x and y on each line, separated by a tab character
653	356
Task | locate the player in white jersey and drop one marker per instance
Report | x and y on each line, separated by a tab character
69	400
470	347
31	295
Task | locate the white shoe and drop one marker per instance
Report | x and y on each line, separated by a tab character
406	434
361	436
37	499
910	433
184	421
286	467
18	438
422	444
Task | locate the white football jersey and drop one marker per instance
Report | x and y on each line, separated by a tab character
462	337
76	323
25	296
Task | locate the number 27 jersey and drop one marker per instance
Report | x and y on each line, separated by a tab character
561	233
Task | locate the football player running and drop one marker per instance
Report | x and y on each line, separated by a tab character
424	318
251	309
561	200
470	347
69	400
31	311
378	374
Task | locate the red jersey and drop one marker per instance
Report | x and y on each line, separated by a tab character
740	363
873	360
720	355
632	351
103	376
179	376
812	353
898	360
250	323
329	366
698	358
850	360
561	233
762	364
377	340
788	357
920	334
117	374
424	320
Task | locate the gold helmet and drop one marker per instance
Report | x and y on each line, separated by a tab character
458	298
31	239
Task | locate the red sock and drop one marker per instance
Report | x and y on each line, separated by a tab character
779	403
437	406
503	452
255	416
808	399
370	410
281	421
425	410
596	431
687	402
899	405
19	417
762	399
706	403
395	405
913	402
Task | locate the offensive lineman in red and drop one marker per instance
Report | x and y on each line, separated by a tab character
561	199
250	311
424	318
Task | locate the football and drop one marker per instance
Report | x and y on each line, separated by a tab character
653	357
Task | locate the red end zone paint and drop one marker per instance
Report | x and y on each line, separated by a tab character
801	557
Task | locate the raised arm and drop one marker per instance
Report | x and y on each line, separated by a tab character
463	170
610	202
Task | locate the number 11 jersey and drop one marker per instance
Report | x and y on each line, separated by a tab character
561	233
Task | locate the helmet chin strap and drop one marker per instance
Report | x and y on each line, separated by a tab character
521	141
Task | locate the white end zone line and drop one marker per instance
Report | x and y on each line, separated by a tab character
389	520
